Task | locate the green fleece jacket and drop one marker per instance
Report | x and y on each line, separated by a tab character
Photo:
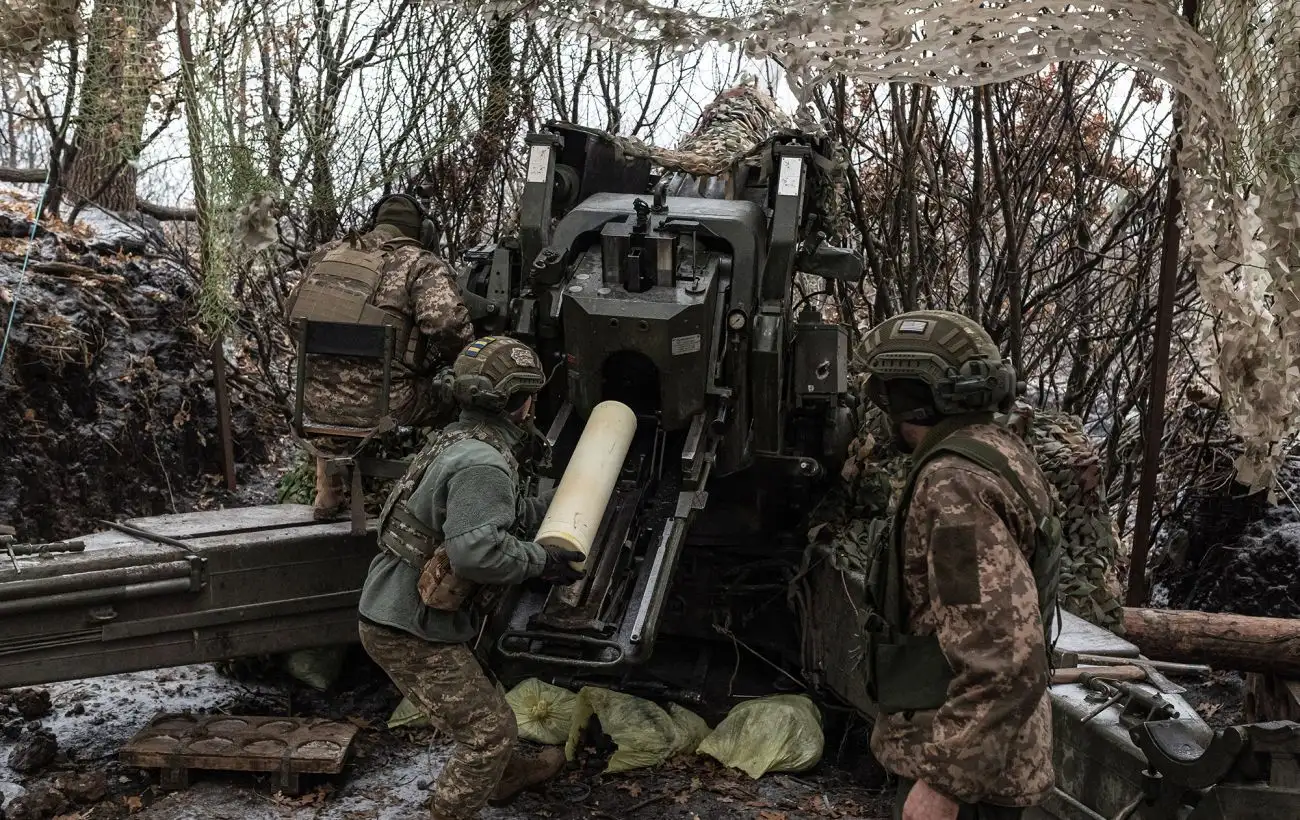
470	495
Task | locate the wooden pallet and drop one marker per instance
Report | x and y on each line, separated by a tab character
287	747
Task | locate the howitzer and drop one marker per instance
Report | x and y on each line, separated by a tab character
682	308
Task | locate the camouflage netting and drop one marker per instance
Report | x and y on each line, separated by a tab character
859	511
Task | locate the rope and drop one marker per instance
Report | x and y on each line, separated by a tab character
27	258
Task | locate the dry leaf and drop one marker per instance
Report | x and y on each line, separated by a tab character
771	815
133	803
634	789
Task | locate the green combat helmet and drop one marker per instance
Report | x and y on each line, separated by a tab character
491	370
949	353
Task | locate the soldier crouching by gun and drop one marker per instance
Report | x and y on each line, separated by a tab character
388	274
445	556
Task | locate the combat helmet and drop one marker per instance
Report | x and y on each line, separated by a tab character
492	370
947	355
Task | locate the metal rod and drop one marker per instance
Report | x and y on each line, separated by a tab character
1072	802
82	597
147	535
75	582
1137	580
223	412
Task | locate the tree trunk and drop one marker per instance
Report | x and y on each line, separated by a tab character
1221	640
121	65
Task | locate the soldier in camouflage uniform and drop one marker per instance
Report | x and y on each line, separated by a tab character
445	554
961	598
388	275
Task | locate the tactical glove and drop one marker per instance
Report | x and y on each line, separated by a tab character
557	570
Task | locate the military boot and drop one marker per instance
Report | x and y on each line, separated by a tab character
331	494
528	767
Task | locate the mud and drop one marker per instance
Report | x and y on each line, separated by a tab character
107	407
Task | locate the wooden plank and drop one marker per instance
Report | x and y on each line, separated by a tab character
1270	697
287	746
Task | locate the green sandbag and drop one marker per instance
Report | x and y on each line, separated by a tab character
543	712
318	668
781	733
407	714
645	734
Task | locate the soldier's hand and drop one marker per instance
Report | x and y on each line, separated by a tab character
924	803
557	570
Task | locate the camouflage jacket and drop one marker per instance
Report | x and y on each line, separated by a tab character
966	538
415	283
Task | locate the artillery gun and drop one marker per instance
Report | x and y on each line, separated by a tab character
685	310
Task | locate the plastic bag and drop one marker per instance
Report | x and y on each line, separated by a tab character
542	711
318	668
645	734
781	733
407	714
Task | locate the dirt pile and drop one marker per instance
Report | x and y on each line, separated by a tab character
1219	549
107	407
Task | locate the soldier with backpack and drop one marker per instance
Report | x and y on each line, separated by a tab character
388	275
961	596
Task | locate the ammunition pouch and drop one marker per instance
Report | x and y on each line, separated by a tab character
442	589
907	674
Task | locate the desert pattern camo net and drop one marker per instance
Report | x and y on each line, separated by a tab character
1238	75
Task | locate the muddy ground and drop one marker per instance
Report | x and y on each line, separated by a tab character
90	719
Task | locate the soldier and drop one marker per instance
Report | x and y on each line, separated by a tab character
445	556
961	600
387	275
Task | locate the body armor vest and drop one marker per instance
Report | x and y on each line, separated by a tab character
342	288
404	536
909	673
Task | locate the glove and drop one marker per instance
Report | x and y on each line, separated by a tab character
557	570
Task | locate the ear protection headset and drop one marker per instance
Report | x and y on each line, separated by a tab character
428	228
979	384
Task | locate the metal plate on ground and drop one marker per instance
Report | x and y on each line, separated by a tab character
285	746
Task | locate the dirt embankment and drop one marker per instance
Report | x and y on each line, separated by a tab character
107	407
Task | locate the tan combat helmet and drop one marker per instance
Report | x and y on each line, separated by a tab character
947	352
490	370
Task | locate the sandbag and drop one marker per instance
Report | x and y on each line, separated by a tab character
318	668
781	733
543	712
407	714
644	733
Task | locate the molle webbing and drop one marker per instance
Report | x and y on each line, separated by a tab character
342	287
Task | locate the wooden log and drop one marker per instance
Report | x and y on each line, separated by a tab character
1221	640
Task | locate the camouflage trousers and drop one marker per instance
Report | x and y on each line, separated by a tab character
447	683
977	811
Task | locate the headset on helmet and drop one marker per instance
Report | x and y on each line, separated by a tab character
493	374
949	353
428	228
